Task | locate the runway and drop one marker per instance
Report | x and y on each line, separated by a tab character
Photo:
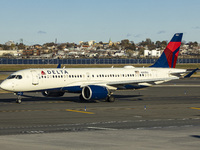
171	106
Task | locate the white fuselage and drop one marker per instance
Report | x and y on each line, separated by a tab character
61	78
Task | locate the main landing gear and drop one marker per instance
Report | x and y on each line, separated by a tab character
110	98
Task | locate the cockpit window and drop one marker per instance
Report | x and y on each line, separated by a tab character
15	77
18	77
11	77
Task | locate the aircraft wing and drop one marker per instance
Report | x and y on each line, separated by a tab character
150	81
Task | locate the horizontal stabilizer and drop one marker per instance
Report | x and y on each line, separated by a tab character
191	73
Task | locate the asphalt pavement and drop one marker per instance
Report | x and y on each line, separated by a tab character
160	117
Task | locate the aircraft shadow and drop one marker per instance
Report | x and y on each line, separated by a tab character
126	96
195	136
75	99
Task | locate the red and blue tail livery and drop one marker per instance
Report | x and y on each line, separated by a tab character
169	57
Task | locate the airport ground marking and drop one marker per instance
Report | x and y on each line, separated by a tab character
78	111
100	128
195	108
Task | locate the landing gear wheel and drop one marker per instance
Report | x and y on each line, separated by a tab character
110	98
19	101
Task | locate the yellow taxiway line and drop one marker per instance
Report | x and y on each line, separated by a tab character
195	108
85	112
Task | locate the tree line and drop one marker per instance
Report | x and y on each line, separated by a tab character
124	44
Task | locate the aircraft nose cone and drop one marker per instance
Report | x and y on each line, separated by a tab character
6	86
2	85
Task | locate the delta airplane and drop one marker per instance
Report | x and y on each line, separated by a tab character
96	83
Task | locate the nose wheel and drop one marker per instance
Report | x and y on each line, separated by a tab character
19	99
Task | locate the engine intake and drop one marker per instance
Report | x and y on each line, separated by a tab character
93	92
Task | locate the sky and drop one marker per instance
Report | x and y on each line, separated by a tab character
42	21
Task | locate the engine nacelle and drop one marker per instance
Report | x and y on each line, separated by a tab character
93	92
52	94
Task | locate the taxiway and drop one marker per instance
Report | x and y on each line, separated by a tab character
173	106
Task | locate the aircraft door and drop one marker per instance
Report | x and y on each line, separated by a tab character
154	73
35	77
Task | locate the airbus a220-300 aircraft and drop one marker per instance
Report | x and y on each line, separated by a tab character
96	83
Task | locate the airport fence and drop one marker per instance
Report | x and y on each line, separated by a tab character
89	61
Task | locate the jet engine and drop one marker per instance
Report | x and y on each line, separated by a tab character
93	92
52	94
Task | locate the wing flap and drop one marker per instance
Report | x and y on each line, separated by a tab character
150	81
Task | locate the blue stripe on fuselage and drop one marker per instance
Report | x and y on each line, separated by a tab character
70	89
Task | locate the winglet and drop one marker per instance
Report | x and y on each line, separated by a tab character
169	57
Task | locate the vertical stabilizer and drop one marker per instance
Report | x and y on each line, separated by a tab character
169	57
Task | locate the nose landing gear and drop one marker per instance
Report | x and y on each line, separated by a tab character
19	98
